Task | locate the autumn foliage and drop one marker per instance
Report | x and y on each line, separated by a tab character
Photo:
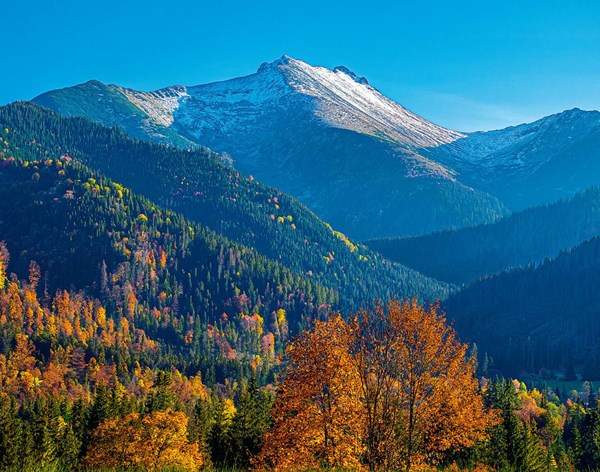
391	389
318	415
151	442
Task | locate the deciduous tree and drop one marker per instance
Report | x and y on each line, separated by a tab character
318	415
419	386
151	442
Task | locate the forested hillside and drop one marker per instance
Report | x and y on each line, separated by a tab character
537	318
81	383
212	305
132	336
527	237
199	186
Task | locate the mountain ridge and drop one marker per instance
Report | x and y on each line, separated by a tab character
303	128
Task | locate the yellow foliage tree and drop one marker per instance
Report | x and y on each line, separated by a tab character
153	442
2	275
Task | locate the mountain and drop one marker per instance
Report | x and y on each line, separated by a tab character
526	237
537	318
300	128
324	136
196	184
530	164
174	279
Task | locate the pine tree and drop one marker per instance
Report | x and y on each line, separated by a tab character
11	432
590	441
161	396
533	456
219	438
101	407
576	449
250	423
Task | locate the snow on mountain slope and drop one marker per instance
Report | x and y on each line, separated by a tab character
338	97
160	106
345	101
530	164
524	147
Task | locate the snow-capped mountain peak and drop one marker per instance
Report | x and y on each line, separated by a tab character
344	100
338	97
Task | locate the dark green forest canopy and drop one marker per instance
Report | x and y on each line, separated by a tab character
537	318
527	237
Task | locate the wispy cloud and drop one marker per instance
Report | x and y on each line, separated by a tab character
465	114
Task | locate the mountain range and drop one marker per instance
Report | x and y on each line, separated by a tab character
301	128
527	237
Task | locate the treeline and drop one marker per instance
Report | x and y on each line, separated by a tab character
199	186
525	238
539	320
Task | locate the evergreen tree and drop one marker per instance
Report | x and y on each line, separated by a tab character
250	423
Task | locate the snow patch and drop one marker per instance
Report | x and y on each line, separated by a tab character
160	106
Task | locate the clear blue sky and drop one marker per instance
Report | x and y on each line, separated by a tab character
463	64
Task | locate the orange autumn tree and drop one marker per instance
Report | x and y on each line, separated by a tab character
419	387
318	416
390	390
151	442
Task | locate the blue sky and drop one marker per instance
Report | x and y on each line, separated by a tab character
463	64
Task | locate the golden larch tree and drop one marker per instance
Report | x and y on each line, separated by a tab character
152	442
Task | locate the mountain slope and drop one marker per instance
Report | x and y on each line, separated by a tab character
110	105
304	129
173	278
533	163
536	318
197	184
526	237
